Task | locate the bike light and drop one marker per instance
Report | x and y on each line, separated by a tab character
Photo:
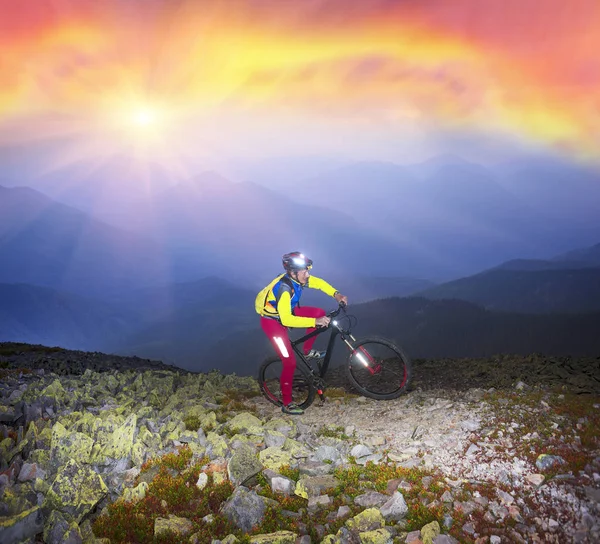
335	323
361	358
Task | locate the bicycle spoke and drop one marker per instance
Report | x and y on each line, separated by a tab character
270	382
378	369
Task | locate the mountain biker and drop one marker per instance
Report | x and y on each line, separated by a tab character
281	310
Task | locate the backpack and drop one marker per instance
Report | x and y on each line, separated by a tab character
261	299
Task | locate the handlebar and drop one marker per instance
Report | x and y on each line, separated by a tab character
334	313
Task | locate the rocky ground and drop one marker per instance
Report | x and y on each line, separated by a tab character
496	450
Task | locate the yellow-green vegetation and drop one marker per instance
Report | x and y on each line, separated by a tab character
172	490
339	393
333	432
542	421
358	479
192	423
234	400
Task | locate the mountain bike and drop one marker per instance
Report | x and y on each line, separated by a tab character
375	367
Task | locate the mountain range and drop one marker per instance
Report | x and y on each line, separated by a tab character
128	257
211	322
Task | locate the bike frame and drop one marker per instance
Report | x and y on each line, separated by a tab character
335	331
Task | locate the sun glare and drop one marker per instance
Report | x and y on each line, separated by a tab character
144	117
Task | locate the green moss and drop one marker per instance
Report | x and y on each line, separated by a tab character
192	423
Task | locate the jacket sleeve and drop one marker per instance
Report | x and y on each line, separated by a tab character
284	309
322	285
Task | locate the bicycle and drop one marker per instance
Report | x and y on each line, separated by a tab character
376	367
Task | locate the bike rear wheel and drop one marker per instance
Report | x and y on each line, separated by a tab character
269	379
378	369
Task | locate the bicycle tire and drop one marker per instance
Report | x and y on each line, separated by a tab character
389	371
303	389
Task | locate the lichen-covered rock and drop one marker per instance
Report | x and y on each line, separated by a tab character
151	440
546	461
75	491
296	449
274	439
280	537
55	391
66	445
313	486
368	520
21	527
275	458
139	453
377	536
135	494
216	445
243	466
282	425
57	530
245	421
122	439
429	532
181	526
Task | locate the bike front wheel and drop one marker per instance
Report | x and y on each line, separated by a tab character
378	369
269	379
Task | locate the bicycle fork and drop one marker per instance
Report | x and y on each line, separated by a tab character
363	356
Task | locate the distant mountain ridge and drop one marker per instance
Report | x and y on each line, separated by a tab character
526	291
568	283
46	243
41	315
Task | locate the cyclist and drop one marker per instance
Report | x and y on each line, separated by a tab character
281	309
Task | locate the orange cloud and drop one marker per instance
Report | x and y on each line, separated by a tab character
518	67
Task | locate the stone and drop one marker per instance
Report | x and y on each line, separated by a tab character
368	520
19	528
244	508
275	458
377	536
395	508
75	491
180	526
429	532
279	537
313	486
546	462
243	466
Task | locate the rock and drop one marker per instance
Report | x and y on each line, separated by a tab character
377	536
136	493
445	539
429	532
75	491
20	528
368	520
181	526
370	499
313	486
275	458
280	537
535	479
244	508
66	446
246	421
395	508
546	462
243	466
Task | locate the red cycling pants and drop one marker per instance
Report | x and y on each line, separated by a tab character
280	339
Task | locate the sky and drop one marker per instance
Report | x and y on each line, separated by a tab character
368	79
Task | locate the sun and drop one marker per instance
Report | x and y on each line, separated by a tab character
144	117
